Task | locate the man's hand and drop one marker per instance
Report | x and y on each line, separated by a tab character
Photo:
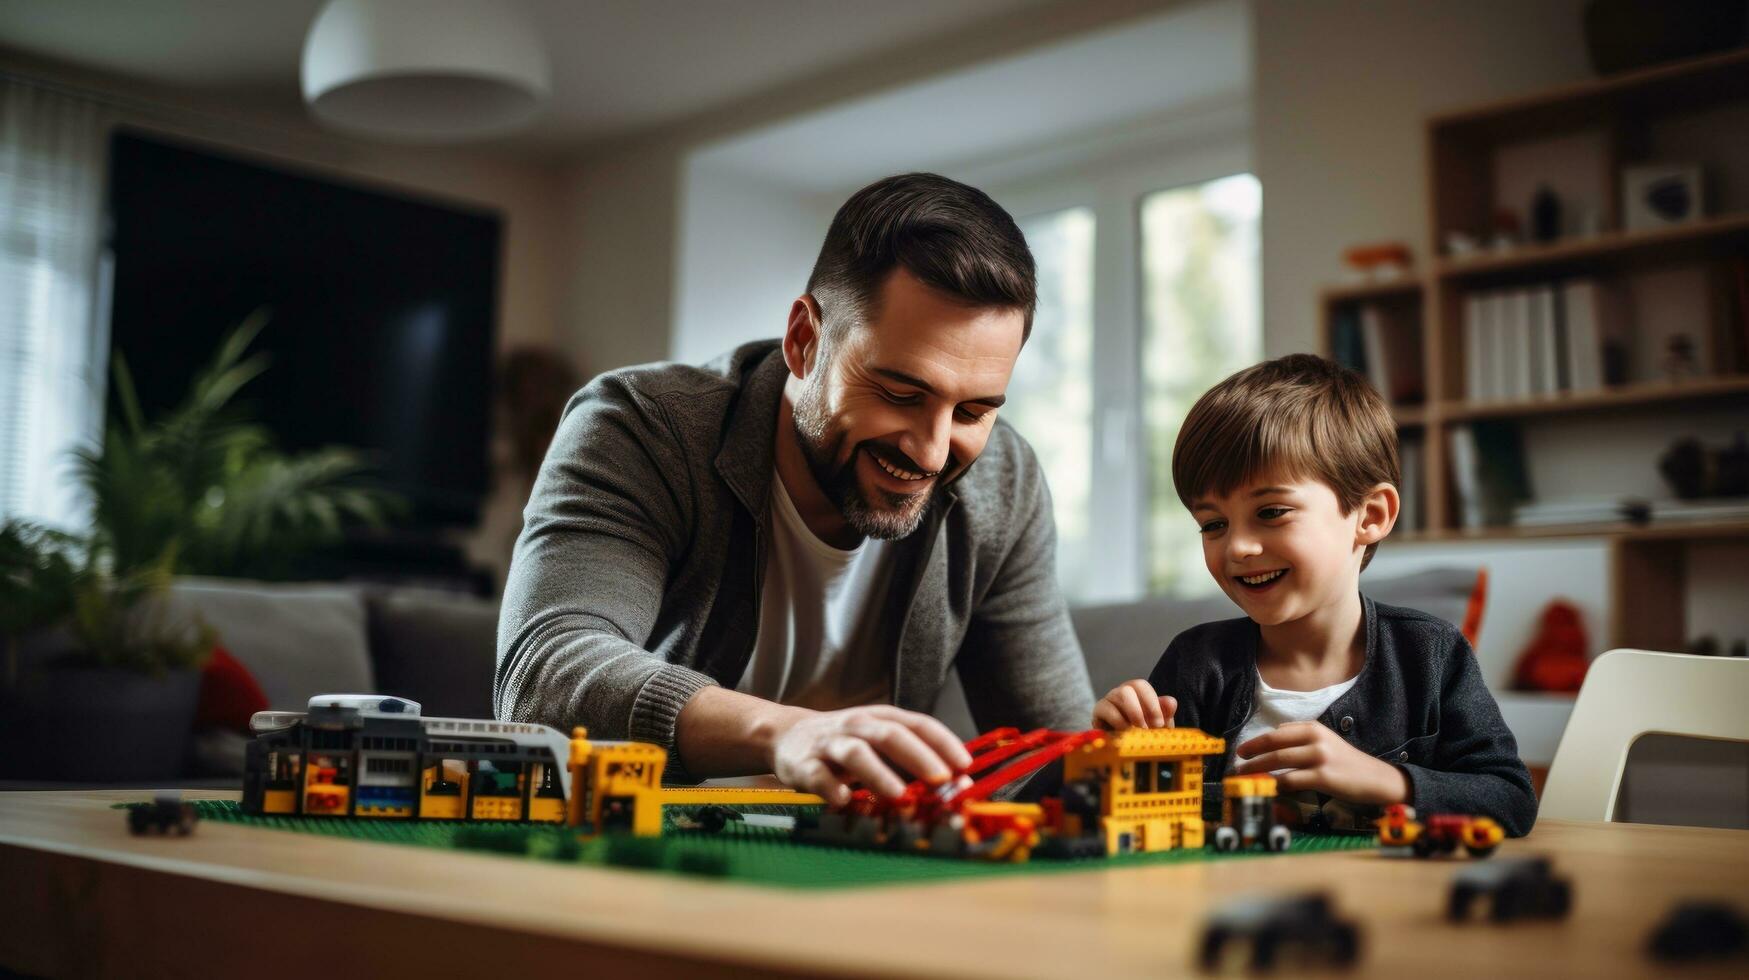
1318	759
1134	704
823	752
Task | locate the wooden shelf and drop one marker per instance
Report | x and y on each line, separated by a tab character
1610	250
1614	530
1693	84
1616	122
1623	396
1404	288
1409	416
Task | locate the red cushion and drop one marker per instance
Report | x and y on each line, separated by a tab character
1472	628
228	694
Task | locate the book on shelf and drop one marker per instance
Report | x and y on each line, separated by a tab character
1489	476
1383	344
1543	340
1346	346
1546	331
1702	509
1635	510
1520	343
1465	482
1584	510
1409	455
1475	350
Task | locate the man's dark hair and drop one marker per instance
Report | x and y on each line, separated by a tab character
950	236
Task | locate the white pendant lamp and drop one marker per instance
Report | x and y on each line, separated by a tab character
427	71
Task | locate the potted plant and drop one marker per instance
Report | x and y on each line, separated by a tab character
101	674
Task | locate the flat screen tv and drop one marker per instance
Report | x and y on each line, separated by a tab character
382	307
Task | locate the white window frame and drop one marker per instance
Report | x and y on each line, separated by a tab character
1184	152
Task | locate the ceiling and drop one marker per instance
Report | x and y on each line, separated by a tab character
1191	58
619	66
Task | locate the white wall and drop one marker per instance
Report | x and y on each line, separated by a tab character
622	298
746	248
1342	89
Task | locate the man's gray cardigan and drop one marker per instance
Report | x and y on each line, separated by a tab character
636	580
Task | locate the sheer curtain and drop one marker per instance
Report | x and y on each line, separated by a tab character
52	338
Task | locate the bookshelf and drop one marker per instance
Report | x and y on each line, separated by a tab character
1644	117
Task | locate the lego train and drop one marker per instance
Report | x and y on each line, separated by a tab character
377	757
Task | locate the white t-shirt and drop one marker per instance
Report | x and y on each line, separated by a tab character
822	643
1272	707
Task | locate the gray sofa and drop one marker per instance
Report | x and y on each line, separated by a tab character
437	648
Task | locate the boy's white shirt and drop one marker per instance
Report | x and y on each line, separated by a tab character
1272	707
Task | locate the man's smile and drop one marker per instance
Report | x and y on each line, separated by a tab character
902	469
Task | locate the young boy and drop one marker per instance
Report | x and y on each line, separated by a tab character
1290	470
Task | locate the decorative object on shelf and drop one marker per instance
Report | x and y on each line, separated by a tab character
1508	230
1696	471
1621	35
1683	466
427	71
1460	245
1378	261
1660	195
1555	659
1680	362
100	670
1545	215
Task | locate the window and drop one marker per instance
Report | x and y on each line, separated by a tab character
1148	294
51	183
1050	396
1200	324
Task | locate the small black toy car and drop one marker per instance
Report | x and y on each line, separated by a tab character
1297	928
165	814
1519	888
1700	930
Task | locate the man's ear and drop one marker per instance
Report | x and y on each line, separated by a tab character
801	337
1378	514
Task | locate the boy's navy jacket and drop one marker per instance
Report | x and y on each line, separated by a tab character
1418	703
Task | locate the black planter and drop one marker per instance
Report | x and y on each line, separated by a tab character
96	724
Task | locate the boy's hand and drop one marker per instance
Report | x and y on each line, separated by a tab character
1133	704
1318	759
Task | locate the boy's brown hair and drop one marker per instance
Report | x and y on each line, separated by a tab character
1298	416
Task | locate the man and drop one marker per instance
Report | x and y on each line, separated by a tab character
769	564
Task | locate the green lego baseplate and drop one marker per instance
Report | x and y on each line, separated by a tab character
757	855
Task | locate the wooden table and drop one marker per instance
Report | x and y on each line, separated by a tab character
80	896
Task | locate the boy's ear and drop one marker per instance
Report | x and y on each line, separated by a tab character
801	336
1378	514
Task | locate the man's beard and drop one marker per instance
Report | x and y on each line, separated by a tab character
892	515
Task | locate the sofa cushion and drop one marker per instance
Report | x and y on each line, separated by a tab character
437	648
297	640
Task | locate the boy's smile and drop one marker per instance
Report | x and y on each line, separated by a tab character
1262	581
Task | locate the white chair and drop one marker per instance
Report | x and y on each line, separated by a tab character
1630	693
